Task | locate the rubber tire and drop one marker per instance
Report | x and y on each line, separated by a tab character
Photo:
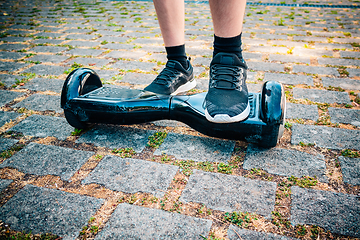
74	121
270	139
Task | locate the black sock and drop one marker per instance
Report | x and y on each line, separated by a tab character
177	53
228	45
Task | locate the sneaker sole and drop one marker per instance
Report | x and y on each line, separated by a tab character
186	87
224	118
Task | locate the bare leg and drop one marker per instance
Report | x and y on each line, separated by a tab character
227	17
171	17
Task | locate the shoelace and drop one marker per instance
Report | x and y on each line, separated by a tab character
226	73
166	75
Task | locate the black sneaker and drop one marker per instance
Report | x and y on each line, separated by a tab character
227	98
173	79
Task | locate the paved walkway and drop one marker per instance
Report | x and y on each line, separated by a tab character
120	182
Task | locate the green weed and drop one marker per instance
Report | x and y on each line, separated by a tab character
156	139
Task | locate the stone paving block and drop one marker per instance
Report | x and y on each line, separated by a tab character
254	88
12	66
236	233
339	61
9	79
353	72
266	66
153	49
41	210
286	162
77	36
45	41
199	51
4	183
43	160
84	43
252	56
117	46
340	115
13	46
40	102
84	52
301	111
6	143
135	222
169	123
311	52
201	61
133	65
89	62
332	46
117	137
316	70
327	137
44	126
345	83
47	49
350	168
45	70
290	79
138	78
289	58
8	96
230	193
48	58
267	49
49	34
12	55
348	54
44	84
6	117
113	39
132	175
196	148
126	54
322	96
337	212
158	57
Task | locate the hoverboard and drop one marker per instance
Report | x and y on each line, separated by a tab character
86	101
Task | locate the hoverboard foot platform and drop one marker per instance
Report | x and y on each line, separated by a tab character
86	101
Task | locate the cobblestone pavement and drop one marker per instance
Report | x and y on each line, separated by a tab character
118	182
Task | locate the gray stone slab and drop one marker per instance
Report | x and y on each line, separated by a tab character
12	66
8	96
252	56
196	148
85	52
113	39
138	78
6	143
316	70
126	54
350	168
46	41
83	43
45	70
40	102
44	126
311	52
117	137
285	162
135	222
47	49
302	111
322	96
44	84
339	61
289	58
327	137
341	115
96	62
348	54
290	79
201	61
345	83
48	58
13	46
80	37
117	46
332	46
230	193
132	175
337	212
43	160
41	210
353	72
234	232
6	117
12	55
134	65
266	66
267	49
9	79
4	183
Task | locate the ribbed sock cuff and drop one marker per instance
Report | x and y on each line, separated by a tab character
177	53
229	45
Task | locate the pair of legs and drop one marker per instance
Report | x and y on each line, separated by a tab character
227	98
